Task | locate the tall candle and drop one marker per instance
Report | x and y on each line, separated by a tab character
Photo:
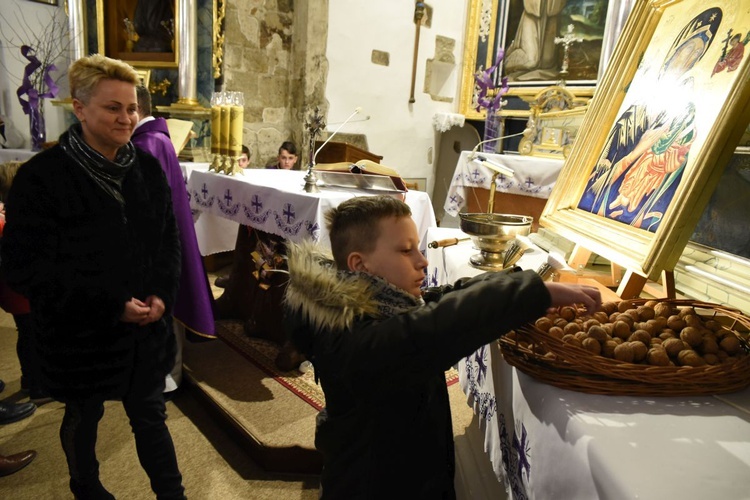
235	131
225	127
216	130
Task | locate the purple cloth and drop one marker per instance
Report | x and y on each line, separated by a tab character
194	305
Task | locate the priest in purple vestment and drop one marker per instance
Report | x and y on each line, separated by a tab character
193	308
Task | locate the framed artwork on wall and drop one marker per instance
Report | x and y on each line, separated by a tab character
143	33
665	120
532	42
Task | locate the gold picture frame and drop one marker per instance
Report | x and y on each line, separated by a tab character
118	24
145	76
492	24
665	120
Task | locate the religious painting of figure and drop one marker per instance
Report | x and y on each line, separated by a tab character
647	150
140	32
533	39
657	136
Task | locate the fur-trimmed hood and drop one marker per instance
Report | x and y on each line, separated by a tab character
324	297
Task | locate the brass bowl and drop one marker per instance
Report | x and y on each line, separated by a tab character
491	234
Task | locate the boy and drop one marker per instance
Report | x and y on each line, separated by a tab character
380	353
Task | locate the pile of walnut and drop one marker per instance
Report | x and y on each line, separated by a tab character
655	333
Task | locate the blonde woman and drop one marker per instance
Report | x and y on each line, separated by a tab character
91	241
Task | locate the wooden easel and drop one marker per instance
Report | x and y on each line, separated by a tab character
629	284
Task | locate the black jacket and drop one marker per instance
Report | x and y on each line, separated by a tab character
386	429
78	257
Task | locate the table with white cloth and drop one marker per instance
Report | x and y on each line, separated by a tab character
274	201
545	442
524	193
7	155
215	234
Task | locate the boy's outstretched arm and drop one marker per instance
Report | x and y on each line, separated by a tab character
564	294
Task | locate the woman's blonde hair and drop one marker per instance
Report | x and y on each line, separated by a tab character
7	173
86	73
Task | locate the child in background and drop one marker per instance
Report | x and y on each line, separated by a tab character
380	347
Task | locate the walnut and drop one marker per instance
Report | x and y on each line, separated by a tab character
690	358
544	324
663	310
608	348
640	336
621	329
657	356
556	332
640	350
592	345
624	352
598	333
609	307
676	323
624	305
568	313
673	346
730	344
692	336
646	313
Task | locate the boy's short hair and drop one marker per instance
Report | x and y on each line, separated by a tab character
289	147
353	225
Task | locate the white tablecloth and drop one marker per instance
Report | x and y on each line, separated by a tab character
274	201
546	442
533	177
215	234
7	155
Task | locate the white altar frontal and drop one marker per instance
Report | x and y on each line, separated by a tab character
533	177
550	443
274	201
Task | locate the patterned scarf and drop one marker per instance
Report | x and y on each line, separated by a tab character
391	300
108	175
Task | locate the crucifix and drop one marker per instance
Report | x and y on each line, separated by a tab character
419	11
568	39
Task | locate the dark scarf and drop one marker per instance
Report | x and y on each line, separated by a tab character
391	300
108	175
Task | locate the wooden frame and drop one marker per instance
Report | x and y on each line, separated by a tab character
661	98
491	25
151	48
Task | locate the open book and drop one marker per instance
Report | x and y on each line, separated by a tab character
180	132
364	174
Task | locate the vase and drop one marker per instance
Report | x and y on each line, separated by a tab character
37	129
493	129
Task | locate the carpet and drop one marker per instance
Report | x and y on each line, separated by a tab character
262	354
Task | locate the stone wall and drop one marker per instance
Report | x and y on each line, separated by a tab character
275	55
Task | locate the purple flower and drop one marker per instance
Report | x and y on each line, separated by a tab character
489	96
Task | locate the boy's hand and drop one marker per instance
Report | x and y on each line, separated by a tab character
565	294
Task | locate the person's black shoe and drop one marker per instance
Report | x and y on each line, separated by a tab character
90	491
13	412
222	281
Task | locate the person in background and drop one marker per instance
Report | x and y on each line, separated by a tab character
193	308
17	305
244	161
287	158
91	241
361	315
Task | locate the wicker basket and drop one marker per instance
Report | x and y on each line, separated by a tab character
571	367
